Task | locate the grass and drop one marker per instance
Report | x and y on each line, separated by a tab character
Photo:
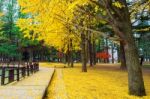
100	82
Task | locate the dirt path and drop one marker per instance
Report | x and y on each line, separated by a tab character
57	89
60	88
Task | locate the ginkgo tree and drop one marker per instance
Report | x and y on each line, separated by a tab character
50	20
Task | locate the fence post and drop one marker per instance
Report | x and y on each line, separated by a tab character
23	71
28	72
34	67
37	66
31	68
3	76
11	75
17	73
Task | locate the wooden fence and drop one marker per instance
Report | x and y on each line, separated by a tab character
11	74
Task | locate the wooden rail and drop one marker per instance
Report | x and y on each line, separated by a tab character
11	74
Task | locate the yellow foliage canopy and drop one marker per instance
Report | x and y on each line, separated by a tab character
50	20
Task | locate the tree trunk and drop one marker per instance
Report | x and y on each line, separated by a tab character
136	83
90	54
87	47
118	54
122	56
83	52
94	53
112	52
124	27
68	56
71	53
90	51
106	48
135	78
65	58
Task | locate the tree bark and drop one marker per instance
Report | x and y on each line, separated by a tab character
118	54
135	78
94	53
68	55
90	54
122	56
90	51
112	52
107	60
71	53
83	52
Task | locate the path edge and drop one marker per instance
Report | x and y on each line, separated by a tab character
45	92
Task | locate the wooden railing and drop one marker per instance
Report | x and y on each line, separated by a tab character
11	74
